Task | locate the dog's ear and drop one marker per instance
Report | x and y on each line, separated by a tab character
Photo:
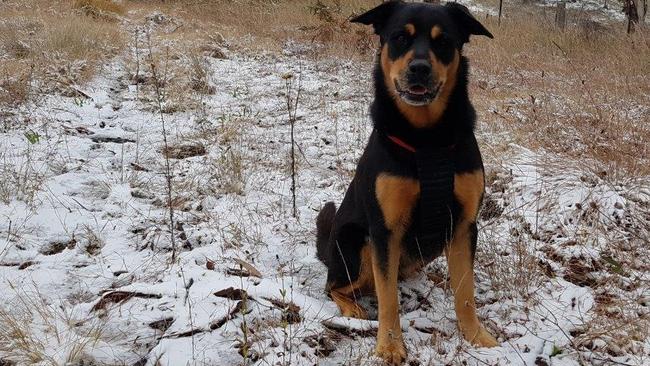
467	24
377	16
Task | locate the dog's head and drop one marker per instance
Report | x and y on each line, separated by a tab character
421	48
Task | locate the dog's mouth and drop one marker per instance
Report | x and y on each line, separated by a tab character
417	95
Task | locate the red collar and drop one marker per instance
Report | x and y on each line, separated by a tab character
401	143
406	146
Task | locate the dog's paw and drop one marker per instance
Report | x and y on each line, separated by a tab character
482	338
392	352
355	311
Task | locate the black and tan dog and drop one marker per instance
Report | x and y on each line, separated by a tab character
419	184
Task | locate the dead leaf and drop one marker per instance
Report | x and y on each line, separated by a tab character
232	293
209	264
249	267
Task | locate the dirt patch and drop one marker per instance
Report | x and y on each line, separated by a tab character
184	151
58	247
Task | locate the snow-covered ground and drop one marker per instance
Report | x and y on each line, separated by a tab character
86	267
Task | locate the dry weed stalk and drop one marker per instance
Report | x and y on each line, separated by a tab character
168	174
292	110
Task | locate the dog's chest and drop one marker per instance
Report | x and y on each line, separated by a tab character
432	220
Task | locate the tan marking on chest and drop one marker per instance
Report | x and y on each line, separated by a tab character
468	189
396	196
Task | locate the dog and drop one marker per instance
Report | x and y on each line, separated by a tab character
419	184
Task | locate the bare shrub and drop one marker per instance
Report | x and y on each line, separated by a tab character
199	74
20	177
231	171
15	89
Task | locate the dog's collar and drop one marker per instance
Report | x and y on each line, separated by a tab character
408	147
401	143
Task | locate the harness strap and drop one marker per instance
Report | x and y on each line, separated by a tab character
436	174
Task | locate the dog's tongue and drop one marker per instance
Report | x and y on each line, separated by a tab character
418	90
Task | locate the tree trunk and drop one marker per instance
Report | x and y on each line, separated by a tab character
560	15
630	9
641	11
500	11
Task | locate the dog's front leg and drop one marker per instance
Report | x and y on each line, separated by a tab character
396	197
460	262
385	267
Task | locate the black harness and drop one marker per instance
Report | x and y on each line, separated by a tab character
436	175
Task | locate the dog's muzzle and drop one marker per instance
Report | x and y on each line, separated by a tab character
416	86
417	94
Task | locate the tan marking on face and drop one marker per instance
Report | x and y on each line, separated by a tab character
435	32
468	189
394	68
410	29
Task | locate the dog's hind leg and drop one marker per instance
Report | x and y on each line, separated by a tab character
347	297
349	270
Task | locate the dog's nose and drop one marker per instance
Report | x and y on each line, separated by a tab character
420	67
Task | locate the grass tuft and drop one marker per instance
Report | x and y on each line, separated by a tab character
99	9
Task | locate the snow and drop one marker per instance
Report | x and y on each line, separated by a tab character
92	193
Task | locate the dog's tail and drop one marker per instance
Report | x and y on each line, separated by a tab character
324	222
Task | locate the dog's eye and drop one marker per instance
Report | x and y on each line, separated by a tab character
401	39
441	41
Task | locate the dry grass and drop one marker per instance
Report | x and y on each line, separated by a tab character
573	92
322	24
81	38
98	8
31	324
49	46
581	93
